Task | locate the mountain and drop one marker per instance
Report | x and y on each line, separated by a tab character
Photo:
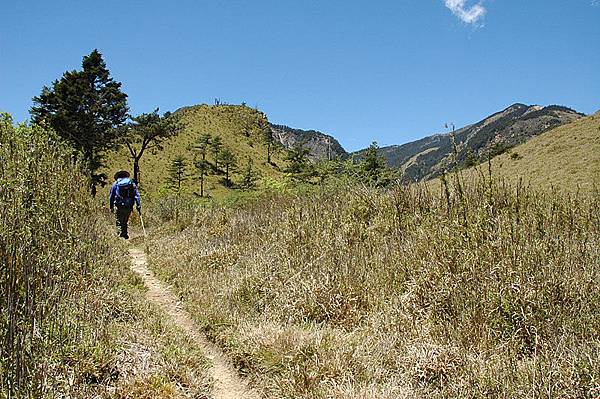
321	146
430	156
566	158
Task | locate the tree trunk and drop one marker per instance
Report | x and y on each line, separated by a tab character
227	175
202	186
136	170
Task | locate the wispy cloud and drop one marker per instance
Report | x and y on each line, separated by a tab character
468	14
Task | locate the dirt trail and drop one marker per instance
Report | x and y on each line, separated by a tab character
228	385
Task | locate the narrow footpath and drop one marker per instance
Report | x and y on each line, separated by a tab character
227	384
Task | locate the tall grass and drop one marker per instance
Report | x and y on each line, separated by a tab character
55	292
482	290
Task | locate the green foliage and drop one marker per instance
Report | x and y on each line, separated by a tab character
372	166
471	160
85	108
298	165
249	175
498	149
267	136
229	162
216	144
336	168
148	132
201	145
177	173
202	170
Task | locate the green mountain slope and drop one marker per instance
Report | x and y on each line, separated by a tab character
566	157
240	130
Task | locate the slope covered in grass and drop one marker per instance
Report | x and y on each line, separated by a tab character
361	293
566	158
240	130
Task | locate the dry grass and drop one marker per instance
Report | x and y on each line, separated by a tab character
355	292
566	158
73	322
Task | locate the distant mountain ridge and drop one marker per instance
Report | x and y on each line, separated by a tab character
430	156
321	146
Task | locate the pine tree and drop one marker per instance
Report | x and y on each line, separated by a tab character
372	165
267	135
228	160
177	173
216	145
148	132
298	165
249	177
201	145
202	168
176	177
85	108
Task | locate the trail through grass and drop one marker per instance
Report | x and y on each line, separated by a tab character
227	384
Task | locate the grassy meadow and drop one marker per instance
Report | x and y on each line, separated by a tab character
483	286
483	289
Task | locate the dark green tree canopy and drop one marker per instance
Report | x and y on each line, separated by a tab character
201	144
229	161
372	166
85	108
298	165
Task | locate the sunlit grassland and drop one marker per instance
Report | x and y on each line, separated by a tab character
488	291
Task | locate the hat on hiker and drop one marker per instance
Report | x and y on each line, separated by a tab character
121	174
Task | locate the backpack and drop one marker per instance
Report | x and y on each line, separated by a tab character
125	192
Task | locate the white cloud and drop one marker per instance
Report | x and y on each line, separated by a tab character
468	14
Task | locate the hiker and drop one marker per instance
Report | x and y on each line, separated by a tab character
124	194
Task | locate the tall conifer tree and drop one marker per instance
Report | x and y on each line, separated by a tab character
85	108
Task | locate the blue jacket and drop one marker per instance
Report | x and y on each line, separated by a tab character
115	199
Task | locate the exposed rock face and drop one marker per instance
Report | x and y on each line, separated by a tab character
320	145
430	156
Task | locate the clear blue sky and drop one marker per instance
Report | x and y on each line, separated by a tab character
390	71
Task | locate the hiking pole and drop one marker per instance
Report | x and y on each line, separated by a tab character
143	229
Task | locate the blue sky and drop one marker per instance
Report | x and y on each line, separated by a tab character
390	71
